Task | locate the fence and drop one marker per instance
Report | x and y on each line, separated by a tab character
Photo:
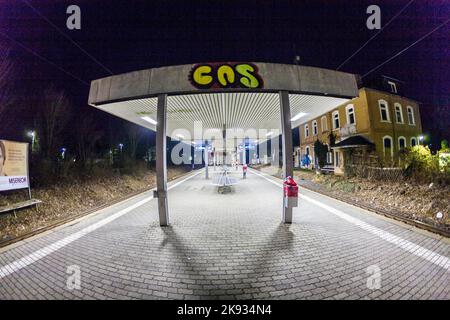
375	173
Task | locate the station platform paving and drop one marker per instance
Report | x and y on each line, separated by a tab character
228	246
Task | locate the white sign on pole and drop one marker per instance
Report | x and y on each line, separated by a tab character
13	165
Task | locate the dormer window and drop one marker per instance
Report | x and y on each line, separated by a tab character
393	86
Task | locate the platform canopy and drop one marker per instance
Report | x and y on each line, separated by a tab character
235	96
222	102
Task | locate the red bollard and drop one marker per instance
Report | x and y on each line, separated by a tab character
290	188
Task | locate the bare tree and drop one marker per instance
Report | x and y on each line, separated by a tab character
134	137
441	122
52	117
87	136
6	68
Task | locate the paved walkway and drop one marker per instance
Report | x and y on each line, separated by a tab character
228	246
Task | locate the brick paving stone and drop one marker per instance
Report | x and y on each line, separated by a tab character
229	246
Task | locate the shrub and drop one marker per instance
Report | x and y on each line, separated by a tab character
321	150
424	166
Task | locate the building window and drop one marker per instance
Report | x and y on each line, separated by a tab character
387	146
323	123
411	120
306	130
401	143
336	120
329	157
315	130
393	86
336	159
413	142
384	111
398	113
350	110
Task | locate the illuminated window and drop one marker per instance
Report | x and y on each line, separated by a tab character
329	157
323	122
384	111
401	143
387	146
314	125
411	120
398	113
350	111
336	120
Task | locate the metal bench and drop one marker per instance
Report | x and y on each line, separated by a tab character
327	169
224	182
19	205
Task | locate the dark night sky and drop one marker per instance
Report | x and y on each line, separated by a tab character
132	35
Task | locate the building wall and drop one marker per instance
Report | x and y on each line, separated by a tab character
369	124
380	129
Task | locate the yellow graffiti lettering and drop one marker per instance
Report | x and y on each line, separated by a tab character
225	75
201	76
247	79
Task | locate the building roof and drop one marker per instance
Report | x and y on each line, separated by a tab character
354	142
389	93
244	112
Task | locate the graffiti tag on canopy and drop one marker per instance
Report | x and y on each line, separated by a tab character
225	75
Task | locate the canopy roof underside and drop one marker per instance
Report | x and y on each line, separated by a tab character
239	112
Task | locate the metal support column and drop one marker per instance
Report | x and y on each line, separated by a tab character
206	151
286	129
236	153
161	161
224	137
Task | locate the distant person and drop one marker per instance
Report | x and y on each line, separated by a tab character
2	158
244	171
306	161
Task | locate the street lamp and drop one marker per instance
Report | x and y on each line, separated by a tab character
120	146
32	135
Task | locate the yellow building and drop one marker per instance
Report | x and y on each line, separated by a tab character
370	129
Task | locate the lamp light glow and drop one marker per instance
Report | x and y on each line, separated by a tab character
298	116
148	119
